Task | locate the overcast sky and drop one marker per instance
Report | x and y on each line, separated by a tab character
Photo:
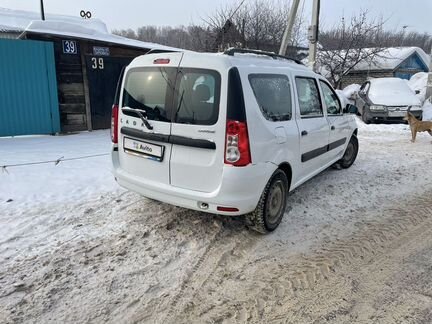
134	13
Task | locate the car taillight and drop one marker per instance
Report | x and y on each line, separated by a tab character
237	151
114	124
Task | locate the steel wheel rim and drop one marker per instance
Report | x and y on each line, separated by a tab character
349	153
275	202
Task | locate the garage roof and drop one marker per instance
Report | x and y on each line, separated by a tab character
62	25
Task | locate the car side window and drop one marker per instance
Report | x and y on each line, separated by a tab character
308	97
273	95
331	99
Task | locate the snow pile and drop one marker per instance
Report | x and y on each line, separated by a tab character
344	100
350	93
81	31
418	82
427	110
19	20
95	29
351	90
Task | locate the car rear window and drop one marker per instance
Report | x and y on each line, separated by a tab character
197	95
190	98
147	89
273	94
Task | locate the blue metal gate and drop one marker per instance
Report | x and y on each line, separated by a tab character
28	88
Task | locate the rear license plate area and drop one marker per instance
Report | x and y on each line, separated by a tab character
143	149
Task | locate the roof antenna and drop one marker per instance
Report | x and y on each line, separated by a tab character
42	10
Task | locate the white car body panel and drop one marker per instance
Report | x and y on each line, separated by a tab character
197	178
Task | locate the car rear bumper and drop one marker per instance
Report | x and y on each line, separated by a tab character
241	188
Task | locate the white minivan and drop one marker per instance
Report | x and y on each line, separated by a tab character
229	133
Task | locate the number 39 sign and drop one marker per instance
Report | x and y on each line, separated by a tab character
69	47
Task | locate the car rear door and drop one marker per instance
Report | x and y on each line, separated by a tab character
198	128
339	123
313	126
145	116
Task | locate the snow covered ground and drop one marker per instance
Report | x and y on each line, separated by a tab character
74	247
69	181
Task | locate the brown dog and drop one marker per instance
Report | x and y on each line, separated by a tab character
417	125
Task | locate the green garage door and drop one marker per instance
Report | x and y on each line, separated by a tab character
28	88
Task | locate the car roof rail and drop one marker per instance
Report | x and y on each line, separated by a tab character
231	51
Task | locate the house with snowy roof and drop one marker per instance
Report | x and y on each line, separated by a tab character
400	62
86	60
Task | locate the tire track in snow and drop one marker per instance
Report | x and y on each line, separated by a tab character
222	245
373	238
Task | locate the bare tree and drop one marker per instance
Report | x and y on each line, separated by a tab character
128	33
404	38
346	45
192	37
258	24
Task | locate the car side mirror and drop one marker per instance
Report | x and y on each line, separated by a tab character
417	91
350	109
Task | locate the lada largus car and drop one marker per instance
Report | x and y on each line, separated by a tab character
230	133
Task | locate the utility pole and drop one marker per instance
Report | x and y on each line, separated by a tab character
313	34
429	80
42	10
290	23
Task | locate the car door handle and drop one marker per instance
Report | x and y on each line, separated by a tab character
332	128
304	133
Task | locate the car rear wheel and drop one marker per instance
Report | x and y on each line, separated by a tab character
271	206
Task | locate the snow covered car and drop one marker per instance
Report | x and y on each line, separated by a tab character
387	99
228	133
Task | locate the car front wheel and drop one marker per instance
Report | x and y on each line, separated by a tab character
271	206
350	154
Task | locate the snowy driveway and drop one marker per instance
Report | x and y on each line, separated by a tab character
354	247
68	181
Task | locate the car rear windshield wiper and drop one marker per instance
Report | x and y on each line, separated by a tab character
142	114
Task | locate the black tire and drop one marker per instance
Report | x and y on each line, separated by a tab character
350	154
272	205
